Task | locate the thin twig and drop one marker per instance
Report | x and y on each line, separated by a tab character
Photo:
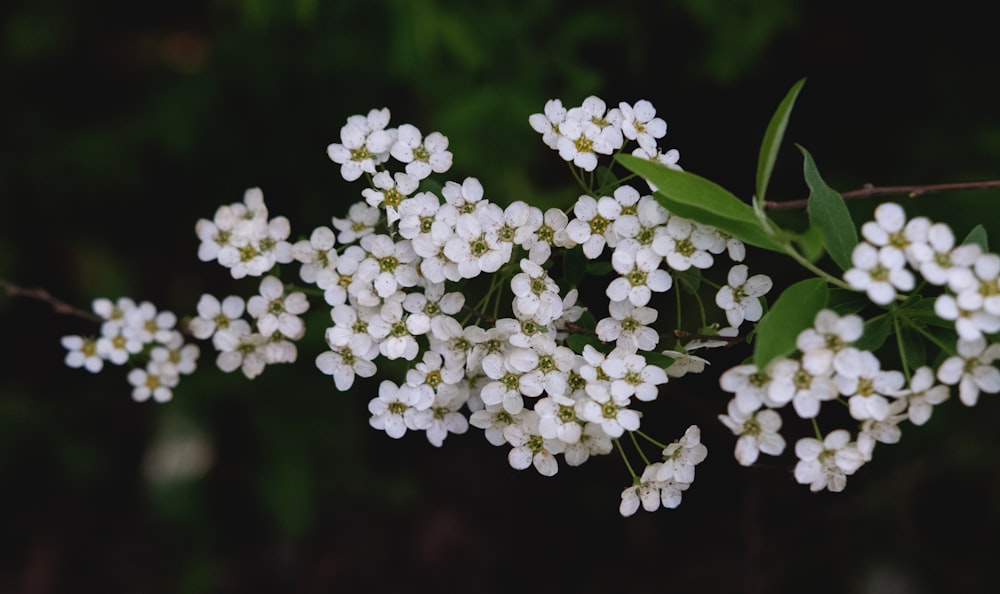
870	190
39	294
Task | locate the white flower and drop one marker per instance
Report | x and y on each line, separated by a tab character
530	448
587	131
640	217
277	312
878	272
551	231
155	380
972	369
422	214
145	324
792	382
254	244
389	192
466	197
82	352
241	349
684	363
391	409
361	220
827	464
632	376
558	419
474	249
628	327
345	362
868	387
442	418
547	123
493	419
681	456
114	346
536	295
316	253
431	379
214	315
740	298
593	441
421	155
827	346
438	307
364	143
970	324
397	330
757	431
611	413
639	123
176	357
113	313
545	364
389	265
337	283
923	395
983	293
881	430
640	275
684	243
940	261
750	385
650	492
889	228
593	226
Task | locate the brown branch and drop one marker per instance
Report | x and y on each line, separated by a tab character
39	294
870	190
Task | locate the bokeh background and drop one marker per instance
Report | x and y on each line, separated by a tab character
122	123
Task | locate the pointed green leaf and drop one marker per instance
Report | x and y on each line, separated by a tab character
657	359
914	347
877	329
696	198
977	236
793	312
772	140
828	211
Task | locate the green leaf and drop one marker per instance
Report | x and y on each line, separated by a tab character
829	213
877	329
811	243
696	198
657	359
578	341
844	301
921	312
772	140
977	236
689	280
914	347
794	311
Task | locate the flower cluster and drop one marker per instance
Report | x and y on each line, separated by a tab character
545	328
275	311
133	331
581	134
828	366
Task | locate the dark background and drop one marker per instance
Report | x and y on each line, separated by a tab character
122	123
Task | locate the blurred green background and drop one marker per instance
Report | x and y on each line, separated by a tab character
122	123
